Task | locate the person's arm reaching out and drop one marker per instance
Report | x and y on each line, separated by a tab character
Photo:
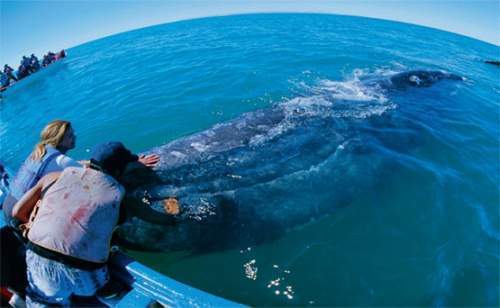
144	212
149	160
22	209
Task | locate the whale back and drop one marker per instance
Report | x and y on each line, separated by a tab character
232	179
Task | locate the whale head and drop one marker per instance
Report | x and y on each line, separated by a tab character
420	78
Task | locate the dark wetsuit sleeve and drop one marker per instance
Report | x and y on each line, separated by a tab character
146	213
123	214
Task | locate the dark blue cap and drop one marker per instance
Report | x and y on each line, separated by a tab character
112	156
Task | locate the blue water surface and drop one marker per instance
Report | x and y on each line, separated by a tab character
381	197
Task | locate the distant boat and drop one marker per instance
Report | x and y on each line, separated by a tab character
58	56
493	62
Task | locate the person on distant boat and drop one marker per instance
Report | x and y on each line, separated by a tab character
26	62
35	64
52	56
4	80
22	72
9	71
45	61
61	54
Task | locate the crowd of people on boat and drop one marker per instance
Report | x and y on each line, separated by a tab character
60	215
27	66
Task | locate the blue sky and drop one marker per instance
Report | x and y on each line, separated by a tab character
38	26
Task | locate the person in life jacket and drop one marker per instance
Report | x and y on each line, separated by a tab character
70	217
35	64
4	80
48	156
9	71
45	61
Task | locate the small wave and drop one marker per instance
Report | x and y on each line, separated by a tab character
352	90
485	222
357	86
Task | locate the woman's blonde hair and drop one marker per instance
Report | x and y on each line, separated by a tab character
52	134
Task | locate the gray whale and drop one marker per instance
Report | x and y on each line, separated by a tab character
232	179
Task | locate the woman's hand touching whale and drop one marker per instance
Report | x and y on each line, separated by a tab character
149	160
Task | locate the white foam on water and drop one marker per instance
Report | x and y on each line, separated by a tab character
251	269
201	211
485	222
357	87
352	90
359	96
273	132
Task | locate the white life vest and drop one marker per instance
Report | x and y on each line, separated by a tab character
78	214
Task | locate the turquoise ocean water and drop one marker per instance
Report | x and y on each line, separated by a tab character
404	210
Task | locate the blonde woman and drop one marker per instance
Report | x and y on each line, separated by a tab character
48	156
